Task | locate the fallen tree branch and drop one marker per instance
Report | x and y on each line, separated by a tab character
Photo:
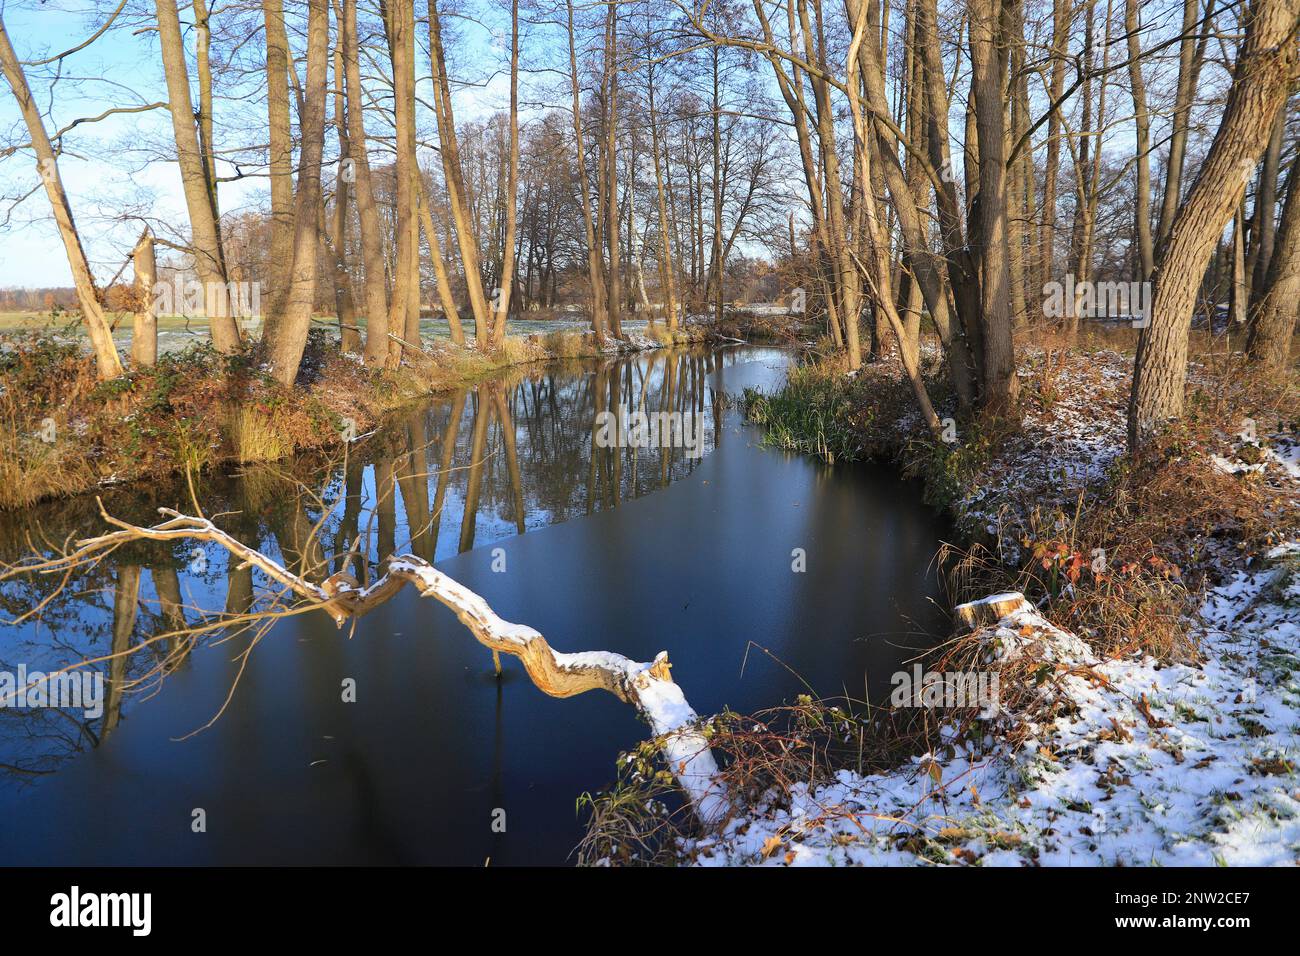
648	687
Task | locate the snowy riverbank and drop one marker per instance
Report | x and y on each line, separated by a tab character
1121	760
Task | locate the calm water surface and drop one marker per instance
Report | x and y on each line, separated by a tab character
628	550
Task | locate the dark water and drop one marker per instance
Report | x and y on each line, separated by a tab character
665	552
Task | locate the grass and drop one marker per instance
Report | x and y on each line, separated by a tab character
63	432
818	412
1164	524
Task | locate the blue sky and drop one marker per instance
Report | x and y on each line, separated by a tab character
106	167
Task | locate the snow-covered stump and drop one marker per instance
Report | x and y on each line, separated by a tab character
989	610
647	687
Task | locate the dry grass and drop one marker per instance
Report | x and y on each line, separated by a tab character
197	409
255	435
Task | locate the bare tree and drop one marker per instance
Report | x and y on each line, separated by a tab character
1260	84
47	165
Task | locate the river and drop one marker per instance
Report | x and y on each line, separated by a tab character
762	574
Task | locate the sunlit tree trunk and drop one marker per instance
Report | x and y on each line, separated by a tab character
1273	318
609	180
1142	128
1260	83
205	238
144	326
502	298
344	302
1001	387
287	340
595	273
107	362
372	248
457	199
280	161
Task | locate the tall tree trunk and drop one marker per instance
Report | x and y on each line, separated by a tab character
107	362
404	308
1262	227
1062	15
289	337
512	191
1273	319
963	269
1142	124
457	197
1191	53
280	161
928	278
1260	81
877	268
614	289
666	279
205	236
372	248
1001	387
594	270
344	301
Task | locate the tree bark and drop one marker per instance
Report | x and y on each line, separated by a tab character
209	260
1001	387
107	362
1260	83
144	325
280	160
288	338
372	247
1142	124
594	266
1273	322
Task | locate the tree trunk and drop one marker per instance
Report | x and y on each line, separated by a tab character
1142	122
614	288
1260	83
1001	387
107	362
209	261
344	301
144	325
280	161
511	200
594	271
457	198
372	247
289	337
1274	316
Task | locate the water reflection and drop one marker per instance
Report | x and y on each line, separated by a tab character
514	453
415	768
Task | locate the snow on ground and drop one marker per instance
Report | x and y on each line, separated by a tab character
1138	762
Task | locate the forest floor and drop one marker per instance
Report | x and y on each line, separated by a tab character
63	432
1148	710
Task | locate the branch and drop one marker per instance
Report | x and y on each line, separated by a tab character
647	687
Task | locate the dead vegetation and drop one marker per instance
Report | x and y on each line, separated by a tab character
63	431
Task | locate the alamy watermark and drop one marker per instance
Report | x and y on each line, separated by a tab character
72	690
242	300
638	429
1098	300
922	688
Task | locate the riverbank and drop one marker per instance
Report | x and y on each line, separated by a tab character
1148	689
64	432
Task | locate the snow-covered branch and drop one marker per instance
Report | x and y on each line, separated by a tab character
648	687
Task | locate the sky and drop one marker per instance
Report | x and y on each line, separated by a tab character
108	167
